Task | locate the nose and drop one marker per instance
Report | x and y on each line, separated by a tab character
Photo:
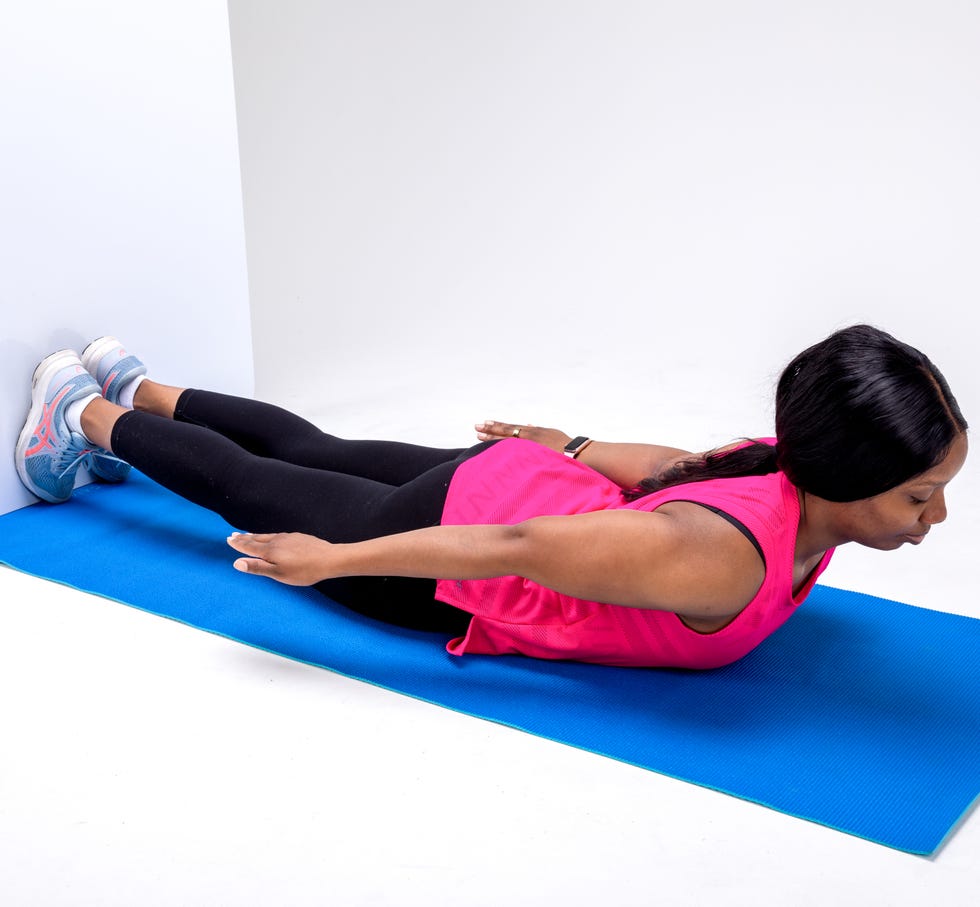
935	510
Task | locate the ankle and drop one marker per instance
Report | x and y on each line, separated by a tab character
97	420
158	399
143	396
74	412
127	393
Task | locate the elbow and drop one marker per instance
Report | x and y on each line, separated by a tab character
517	538
517	545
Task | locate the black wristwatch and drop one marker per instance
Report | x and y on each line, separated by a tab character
574	447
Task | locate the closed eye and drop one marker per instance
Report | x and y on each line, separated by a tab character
916	500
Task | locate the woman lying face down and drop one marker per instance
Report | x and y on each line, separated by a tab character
531	541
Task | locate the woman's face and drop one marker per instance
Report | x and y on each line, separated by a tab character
906	513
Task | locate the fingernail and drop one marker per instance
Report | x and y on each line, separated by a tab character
241	566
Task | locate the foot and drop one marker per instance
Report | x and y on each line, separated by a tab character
113	368
48	452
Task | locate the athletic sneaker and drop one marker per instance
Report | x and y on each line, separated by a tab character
113	368
48	452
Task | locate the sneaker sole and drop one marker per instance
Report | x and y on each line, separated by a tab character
45	368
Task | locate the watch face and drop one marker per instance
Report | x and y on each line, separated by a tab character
575	443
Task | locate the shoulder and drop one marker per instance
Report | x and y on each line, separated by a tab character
716	565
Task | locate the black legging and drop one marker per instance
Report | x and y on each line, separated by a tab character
267	470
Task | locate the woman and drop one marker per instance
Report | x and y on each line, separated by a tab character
532	542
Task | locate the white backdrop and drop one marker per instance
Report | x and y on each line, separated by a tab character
622	218
120	195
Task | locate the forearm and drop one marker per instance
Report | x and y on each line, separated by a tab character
628	464
625	464
439	552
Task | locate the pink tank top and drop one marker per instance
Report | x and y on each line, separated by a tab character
515	480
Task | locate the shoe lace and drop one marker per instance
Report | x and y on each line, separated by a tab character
107	455
71	455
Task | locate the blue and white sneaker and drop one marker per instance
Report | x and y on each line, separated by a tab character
48	452
112	367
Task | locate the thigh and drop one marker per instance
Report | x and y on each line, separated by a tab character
272	496
260	494
273	432
398	600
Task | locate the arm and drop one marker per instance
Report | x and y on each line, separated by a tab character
625	464
675	559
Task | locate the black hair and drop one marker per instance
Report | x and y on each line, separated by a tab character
856	414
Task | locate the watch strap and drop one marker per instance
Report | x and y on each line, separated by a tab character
574	447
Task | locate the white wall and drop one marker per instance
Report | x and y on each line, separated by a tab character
620	217
460	187
120	204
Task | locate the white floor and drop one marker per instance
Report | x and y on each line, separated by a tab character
147	763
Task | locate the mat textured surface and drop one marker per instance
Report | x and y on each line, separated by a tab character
861	714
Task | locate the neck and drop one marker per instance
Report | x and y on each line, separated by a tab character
816	532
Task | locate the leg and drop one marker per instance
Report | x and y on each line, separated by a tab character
258	427
399	600
270	431
265	495
260	494
273	432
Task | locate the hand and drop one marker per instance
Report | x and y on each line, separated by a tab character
549	437
287	557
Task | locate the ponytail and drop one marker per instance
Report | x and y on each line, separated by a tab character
753	458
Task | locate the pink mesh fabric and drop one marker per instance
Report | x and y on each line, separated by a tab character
516	480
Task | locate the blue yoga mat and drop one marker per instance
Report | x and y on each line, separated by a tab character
860	713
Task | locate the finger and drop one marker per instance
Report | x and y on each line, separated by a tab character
246	541
253	565
501	429
491	426
491	435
